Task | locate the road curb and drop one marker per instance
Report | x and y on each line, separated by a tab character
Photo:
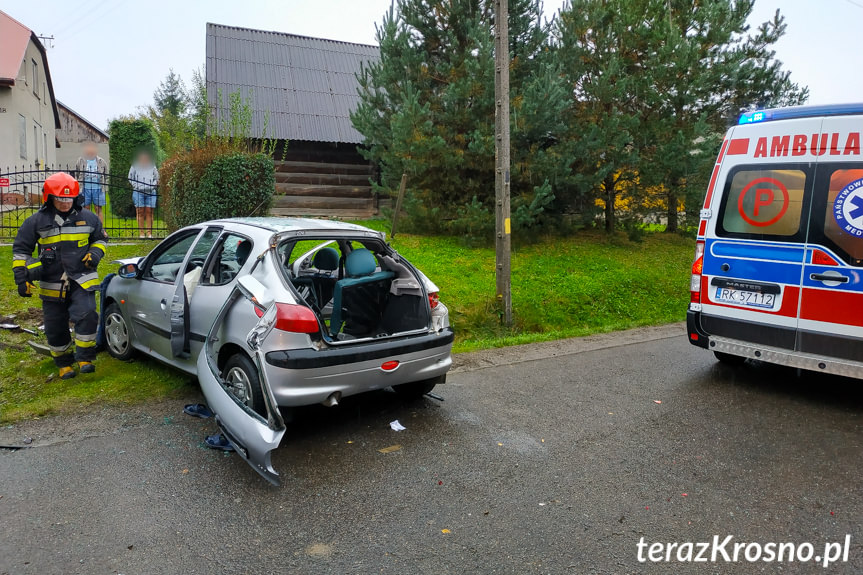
486	358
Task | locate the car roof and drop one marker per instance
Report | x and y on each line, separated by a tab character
281	224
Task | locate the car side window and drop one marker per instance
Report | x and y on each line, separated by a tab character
764	202
837	211
166	265
230	256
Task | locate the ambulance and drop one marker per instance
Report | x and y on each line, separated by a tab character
778	269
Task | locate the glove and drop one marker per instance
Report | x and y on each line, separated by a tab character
91	261
25	289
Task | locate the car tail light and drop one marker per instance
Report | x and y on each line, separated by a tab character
697	268
434	299
293	318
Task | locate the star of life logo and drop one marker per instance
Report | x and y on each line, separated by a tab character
848	208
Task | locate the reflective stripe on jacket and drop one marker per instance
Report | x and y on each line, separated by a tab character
80	233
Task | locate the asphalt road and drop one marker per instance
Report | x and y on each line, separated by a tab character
554	459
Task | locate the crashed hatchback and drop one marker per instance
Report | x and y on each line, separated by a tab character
271	312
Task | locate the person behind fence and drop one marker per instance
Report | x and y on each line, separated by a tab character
70	245
92	172
144	177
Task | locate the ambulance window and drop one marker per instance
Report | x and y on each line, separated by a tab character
837	211
762	202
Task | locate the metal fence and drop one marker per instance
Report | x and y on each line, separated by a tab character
131	208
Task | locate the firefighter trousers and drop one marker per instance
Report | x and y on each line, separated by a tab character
79	307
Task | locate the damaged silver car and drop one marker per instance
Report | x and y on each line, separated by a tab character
271	312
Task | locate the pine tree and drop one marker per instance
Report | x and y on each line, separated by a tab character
655	84
427	108
170	96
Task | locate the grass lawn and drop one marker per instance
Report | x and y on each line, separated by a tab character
568	287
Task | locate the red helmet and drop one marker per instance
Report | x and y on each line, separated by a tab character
61	185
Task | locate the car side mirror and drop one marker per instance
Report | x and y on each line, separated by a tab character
128	271
255	290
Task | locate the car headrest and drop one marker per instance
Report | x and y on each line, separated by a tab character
360	263
326	259
244	248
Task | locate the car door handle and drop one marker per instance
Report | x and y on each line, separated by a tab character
164	303
829	278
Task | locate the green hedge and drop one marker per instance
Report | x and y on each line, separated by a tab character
209	184
128	137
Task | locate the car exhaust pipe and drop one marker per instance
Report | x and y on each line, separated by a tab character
333	399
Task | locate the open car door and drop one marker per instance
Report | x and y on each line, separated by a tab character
254	435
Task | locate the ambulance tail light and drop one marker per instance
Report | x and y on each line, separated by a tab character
697	267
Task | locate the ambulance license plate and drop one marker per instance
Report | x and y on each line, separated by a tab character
745	298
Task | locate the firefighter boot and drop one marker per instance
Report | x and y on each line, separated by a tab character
86	366
67	372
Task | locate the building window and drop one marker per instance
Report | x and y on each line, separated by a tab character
36	142
22	136
35	79
45	146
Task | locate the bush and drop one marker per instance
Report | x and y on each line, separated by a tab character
128	137
213	181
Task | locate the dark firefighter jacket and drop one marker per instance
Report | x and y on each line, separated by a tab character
80	233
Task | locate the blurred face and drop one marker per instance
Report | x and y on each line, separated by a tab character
144	159
90	150
62	204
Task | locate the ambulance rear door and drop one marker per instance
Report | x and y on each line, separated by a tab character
831	300
755	253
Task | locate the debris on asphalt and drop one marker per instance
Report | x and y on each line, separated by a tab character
396	426
434	396
198	410
657	401
28	440
445	531
499	444
390	449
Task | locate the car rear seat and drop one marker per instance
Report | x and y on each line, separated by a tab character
321	285
359	298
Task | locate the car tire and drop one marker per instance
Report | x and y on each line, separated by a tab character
728	359
242	380
417	389
118	336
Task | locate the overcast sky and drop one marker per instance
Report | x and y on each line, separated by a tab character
109	55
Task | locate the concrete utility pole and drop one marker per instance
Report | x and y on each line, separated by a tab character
501	156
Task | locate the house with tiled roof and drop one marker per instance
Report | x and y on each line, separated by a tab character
29	117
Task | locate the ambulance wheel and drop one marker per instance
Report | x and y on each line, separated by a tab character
729	359
118	338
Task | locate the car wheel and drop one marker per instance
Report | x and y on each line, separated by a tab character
729	359
417	389
242	380
118	336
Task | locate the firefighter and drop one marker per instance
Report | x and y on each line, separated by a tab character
71	242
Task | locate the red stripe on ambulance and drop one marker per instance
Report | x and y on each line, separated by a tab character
738	146
715	173
832	306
